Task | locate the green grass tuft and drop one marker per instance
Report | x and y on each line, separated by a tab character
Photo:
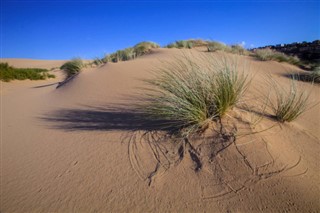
271	55
130	53
8	73
72	67
315	75
215	46
290	103
188	94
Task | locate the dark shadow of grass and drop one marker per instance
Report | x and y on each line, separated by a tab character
45	85
105	119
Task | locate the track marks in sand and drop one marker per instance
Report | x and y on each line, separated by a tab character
224	166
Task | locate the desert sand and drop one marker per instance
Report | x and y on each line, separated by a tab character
64	150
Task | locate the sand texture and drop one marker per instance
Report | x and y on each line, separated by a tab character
72	150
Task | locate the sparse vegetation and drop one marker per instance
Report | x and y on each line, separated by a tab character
215	46
238	49
130	53
72	67
143	48
271	55
190	95
187	43
8	73
212	46
315	75
290	103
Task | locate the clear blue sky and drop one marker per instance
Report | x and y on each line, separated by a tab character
48	29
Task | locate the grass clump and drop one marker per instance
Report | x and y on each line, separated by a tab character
72	67
145	47
215	46
189	95
315	75
130	53
271	55
238	49
8	73
181	44
189	44
290	103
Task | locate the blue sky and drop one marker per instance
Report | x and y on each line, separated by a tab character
48	29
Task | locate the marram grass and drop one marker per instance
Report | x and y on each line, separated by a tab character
188	94
289	104
72	67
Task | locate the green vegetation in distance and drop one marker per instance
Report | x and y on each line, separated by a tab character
272	55
212	46
8	73
130	53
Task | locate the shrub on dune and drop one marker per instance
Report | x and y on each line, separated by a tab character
145	47
184	44
130	53
215	46
315	75
238	49
271	55
264	54
189	95
290	103
72	67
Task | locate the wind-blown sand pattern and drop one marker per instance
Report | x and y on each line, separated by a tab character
72	149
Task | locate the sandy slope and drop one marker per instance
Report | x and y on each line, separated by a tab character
64	150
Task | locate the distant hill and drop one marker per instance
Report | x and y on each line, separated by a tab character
307	51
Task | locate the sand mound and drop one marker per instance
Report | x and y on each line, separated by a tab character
75	149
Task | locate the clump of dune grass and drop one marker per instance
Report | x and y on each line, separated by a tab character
145	47
188	44
213	46
271	55
98	61
238	49
72	67
181	44
289	103
188	94
315	75
130	53
8	73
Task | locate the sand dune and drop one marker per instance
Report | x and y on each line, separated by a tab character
68	150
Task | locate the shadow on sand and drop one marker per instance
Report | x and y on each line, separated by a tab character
105	119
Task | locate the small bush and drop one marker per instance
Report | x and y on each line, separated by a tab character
271	55
72	67
189	44
215	46
145	47
98	61
315	75
8	73
130	53
264	54
238	49
290	103
188	94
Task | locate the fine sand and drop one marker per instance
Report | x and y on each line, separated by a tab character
72	150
